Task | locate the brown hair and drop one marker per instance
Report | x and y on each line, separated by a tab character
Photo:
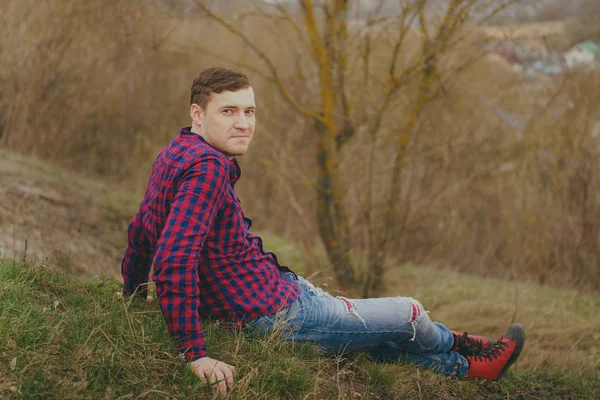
216	80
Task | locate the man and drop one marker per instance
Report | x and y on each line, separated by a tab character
190	225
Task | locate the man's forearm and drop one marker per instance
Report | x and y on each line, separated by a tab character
193	210
179	304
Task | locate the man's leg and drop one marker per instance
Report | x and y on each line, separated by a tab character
389	328
447	363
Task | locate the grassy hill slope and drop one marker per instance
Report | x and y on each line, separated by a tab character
77	223
71	338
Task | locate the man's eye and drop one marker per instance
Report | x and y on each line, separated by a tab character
228	111
250	112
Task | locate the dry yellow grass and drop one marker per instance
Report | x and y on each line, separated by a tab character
562	326
75	222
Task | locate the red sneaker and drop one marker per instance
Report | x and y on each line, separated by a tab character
493	362
469	345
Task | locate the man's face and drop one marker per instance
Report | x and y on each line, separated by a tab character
228	122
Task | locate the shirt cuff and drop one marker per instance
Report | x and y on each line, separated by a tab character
193	347
193	355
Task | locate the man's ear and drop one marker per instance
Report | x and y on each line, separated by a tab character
196	114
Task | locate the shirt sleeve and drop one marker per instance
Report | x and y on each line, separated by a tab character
199	195
137	260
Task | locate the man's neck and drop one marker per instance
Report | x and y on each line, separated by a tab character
196	129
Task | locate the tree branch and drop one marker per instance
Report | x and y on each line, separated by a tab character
264	57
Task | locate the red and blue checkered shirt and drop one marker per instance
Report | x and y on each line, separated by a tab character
206	262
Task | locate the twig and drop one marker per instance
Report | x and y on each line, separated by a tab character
24	258
263	56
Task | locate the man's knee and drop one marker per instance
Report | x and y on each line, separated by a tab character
416	309
425	332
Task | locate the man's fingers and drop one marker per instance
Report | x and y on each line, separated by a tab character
229	380
220	378
199	373
227	371
218	374
214	376
211	376
230	367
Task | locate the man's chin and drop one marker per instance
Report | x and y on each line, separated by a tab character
237	152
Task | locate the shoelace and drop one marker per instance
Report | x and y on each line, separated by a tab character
492	352
469	345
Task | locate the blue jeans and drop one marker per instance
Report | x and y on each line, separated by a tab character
389	329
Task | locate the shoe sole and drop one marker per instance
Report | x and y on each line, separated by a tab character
517	333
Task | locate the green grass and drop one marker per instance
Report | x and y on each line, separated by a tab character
68	338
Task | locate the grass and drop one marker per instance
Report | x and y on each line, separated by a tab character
72	338
562	325
76	222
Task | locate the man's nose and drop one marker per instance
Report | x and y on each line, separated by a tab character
241	122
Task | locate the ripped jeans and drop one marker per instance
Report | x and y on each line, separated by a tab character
389	329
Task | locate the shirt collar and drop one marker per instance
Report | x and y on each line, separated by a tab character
235	172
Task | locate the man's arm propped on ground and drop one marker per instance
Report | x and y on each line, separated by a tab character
192	212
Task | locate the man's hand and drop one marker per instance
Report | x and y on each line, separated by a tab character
215	371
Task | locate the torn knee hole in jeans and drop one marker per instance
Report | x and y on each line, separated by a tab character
416	312
351	307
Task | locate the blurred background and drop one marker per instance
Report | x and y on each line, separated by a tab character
458	134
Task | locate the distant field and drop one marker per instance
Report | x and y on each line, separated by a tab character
534	30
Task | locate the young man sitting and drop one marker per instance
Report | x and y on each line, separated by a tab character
190	225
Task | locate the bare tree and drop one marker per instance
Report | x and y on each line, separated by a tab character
324	29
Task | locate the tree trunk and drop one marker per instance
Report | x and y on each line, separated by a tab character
331	211
378	242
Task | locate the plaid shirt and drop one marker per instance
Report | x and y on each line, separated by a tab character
206	262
